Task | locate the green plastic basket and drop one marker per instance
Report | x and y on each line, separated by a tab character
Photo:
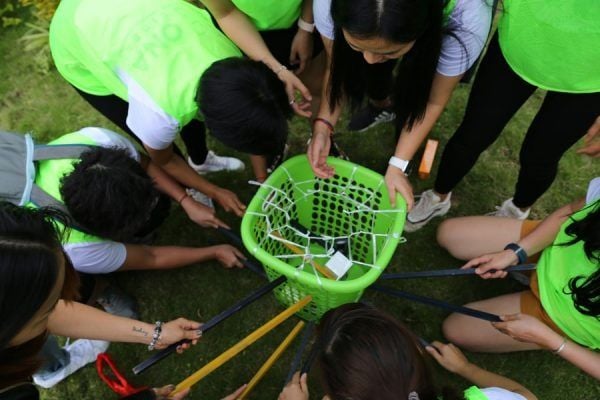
354	202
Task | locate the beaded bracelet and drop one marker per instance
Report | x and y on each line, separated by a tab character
155	335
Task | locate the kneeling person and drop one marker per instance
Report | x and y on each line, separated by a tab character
114	196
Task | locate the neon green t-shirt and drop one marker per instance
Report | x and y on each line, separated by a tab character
553	44
556	267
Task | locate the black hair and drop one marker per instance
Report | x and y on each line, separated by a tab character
245	106
399	21
110	195
367	354
30	258
586	291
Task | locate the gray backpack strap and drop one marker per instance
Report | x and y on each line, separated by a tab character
41	198
59	151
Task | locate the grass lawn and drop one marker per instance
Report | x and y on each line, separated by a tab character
47	106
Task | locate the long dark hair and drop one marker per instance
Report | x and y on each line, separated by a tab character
30	258
367	354
586	291
399	21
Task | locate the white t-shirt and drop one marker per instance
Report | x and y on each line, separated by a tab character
106	256
470	21
496	393
146	118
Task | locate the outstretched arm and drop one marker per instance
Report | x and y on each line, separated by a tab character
236	25
181	172
410	139
320	143
526	328
541	237
167	257
451	358
81	321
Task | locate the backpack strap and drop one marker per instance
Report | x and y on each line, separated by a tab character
59	151
41	198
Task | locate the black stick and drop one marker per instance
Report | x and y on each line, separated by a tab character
449	272
237	240
311	358
308	331
437	303
149	362
340	245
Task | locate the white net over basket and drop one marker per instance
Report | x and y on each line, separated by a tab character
297	223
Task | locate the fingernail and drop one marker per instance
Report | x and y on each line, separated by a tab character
171	387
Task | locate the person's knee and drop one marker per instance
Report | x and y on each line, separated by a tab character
456	330
451	328
449	237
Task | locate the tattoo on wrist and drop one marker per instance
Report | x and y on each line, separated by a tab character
140	330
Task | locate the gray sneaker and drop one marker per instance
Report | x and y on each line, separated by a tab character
509	210
115	301
81	352
430	205
200	197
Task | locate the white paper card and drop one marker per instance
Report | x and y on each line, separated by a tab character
338	264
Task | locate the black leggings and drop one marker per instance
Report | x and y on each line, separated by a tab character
496	96
115	109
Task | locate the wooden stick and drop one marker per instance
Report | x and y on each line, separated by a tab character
241	345
427	159
323	270
272	359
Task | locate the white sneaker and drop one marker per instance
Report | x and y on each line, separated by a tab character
81	352
200	197
429	205
214	163
509	210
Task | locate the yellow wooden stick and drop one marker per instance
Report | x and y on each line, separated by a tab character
272	359
323	270
241	345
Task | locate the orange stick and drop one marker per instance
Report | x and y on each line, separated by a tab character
272	359
241	345
323	270
427	159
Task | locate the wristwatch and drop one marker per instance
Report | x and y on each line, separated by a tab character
399	163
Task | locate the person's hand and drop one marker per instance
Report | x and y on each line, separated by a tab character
229	256
229	201
591	140
448	356
201	214
292	84
317	152
397	182
493	265
296	389
301	50
235	395
526	328
179	329
164	392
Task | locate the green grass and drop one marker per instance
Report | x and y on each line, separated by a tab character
49	107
